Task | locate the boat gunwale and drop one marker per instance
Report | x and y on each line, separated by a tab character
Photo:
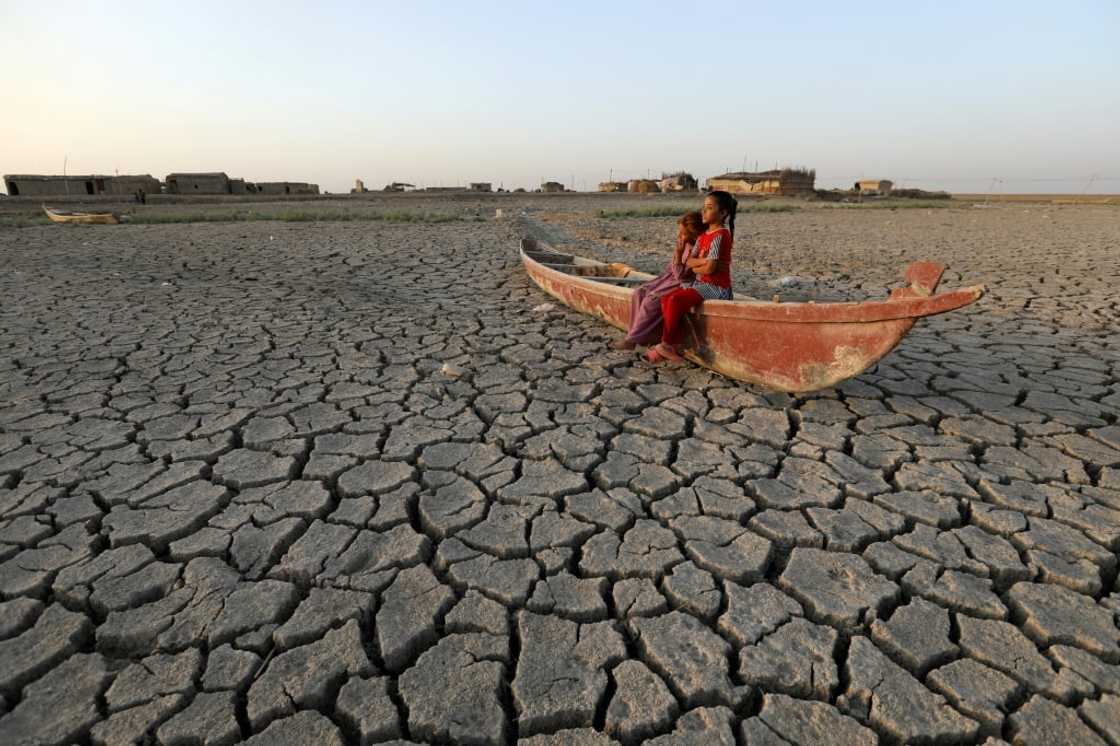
869	311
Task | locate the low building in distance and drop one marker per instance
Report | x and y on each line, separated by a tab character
612	186
398	186
215	182
240	186
681	181
552	187
33	185
287	187
781	181
481	186
643	186
873	187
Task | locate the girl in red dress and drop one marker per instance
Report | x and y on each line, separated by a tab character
712	266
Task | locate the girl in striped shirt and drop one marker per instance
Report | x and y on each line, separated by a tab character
712	265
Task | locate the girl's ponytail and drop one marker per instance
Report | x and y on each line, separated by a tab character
731	218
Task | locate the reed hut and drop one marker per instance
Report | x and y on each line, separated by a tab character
33	185
240	186
215	182
781	181
642	186
287	187
681	181
873	187
130	185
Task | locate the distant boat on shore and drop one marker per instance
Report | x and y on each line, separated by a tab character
87	218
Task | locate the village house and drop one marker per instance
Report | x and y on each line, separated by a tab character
784	181
642	186
552	186
202	183
286	187
240	186
481	186
612	186
32	185
873	187
679	182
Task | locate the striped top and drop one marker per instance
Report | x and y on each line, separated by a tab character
717	285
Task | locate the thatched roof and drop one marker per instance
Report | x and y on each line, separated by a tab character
776	173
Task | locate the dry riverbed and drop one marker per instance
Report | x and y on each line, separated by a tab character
354	481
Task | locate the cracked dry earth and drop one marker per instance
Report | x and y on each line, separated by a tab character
349	484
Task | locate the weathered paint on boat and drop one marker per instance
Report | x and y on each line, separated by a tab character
794	347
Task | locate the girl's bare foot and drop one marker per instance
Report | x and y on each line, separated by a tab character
623	344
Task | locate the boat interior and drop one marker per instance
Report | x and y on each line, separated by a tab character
72	213
614	273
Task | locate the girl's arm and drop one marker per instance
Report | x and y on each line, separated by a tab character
705	265
702	265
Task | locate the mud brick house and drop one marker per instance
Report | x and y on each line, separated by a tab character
784	181
678	182
204	183
32	185
873	187
642	186
286	187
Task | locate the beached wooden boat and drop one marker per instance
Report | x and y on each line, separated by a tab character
793	347
94	218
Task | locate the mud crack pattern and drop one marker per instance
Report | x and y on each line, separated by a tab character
343	484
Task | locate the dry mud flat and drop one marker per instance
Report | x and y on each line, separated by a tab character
350	483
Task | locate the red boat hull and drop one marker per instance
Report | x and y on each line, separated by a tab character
794	347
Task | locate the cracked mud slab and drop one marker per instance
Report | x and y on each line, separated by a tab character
271	483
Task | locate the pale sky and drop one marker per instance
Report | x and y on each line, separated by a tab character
935	95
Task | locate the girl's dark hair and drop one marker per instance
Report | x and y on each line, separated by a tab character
728	204
693	224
